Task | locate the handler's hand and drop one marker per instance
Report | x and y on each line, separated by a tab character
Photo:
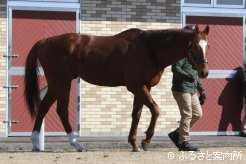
202	98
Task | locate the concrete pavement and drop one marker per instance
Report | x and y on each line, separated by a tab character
95	143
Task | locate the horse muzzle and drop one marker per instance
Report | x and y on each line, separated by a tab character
203	74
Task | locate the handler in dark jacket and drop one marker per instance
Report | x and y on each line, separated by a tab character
186	83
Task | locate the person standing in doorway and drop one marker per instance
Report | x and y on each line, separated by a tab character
243	125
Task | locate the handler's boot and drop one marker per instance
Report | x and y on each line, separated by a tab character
174	136
186	146
242	134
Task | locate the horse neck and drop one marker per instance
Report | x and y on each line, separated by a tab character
169	46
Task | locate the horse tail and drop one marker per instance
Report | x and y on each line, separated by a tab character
31	81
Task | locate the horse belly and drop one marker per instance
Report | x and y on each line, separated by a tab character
102	77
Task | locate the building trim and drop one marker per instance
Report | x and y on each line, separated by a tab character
215	133
222	74
125	134
159	134
21	134
43	6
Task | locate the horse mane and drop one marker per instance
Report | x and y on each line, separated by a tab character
130	35
157	37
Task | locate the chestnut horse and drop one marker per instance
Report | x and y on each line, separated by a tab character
133	58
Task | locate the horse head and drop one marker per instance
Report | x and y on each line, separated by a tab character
198	49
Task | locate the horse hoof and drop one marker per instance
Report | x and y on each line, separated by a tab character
144	145
35	150
137	149
78	147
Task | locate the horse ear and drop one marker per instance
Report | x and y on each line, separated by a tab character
206	30
196	30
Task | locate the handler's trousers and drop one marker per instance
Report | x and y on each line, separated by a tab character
190	111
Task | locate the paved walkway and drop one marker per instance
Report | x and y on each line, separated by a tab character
95	143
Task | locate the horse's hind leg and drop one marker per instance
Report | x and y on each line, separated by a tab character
136	114
63	92
44	106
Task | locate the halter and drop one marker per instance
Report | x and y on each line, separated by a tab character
192	56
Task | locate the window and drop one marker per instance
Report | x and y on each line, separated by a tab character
229	2
198	1
215	3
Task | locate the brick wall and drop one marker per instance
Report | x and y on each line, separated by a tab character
107	111
3	78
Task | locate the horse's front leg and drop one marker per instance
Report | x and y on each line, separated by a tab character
136	114
143	95
154	109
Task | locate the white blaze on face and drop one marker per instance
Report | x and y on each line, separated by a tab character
203	44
